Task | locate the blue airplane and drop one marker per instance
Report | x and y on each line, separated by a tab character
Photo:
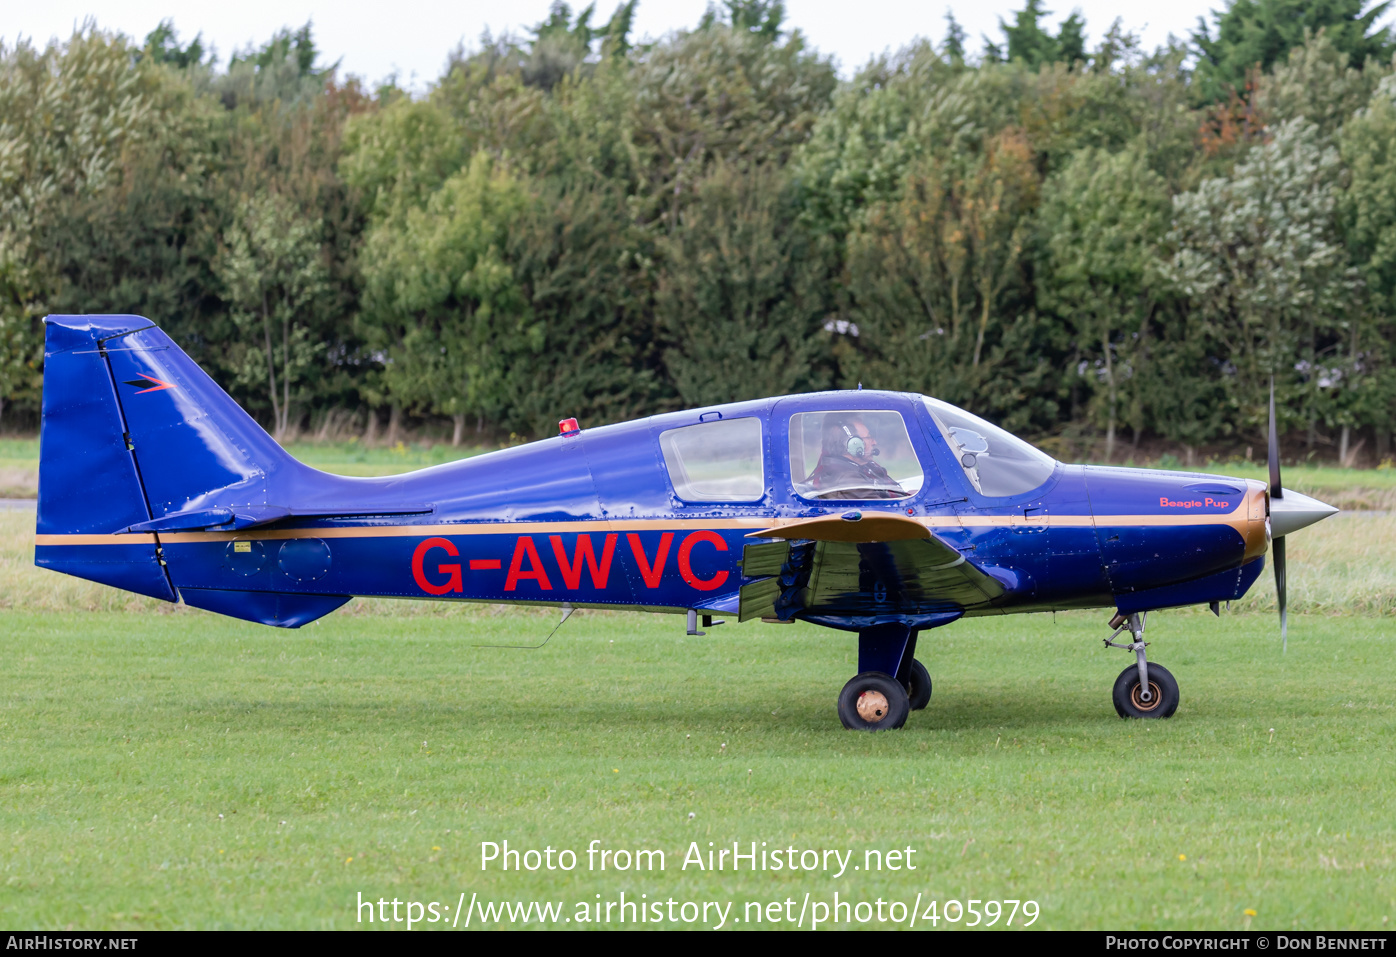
886	514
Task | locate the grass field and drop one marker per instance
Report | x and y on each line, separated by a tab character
178	769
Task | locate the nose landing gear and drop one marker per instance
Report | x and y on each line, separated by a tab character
1142	690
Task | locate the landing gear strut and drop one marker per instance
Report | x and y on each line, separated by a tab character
890	683
1142	690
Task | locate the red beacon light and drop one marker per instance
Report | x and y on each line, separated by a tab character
568	427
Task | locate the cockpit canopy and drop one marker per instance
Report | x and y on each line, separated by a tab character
863	453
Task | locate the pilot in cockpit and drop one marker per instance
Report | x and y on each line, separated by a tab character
846	468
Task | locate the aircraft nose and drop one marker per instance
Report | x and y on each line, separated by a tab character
1294	511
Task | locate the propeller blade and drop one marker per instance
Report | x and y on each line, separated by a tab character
1276	489
1277	548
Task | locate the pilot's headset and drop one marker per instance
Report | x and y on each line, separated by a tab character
855	446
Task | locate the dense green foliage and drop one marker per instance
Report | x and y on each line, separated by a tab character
1088	243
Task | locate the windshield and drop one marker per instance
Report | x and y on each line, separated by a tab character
996	462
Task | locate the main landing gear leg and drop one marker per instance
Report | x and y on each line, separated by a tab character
890	681
1142	690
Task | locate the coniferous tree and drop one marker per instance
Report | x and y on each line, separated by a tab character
1251	34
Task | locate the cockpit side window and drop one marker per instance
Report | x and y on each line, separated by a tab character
861	454
718	461
997	463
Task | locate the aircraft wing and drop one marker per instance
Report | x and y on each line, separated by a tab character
856	566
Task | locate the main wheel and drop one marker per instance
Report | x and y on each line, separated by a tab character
1164	693
918	686
873	701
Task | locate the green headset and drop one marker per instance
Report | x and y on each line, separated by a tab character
855	446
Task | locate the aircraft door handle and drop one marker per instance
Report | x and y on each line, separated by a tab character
1031	518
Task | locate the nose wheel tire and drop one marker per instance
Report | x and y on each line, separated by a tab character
873	701
1130	702
918	686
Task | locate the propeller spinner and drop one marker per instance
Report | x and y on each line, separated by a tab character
1289	512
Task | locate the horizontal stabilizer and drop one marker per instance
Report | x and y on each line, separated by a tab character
238	517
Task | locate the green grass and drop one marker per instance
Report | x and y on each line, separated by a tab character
385	734
402	744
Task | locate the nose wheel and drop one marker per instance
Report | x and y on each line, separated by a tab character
1131	701
1144	689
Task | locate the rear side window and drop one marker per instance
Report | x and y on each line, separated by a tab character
716	461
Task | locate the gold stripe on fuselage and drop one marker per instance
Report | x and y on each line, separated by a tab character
1243	518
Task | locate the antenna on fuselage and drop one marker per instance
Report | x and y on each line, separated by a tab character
566	614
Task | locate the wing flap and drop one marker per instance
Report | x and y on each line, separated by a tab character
908	577
912	576
758	561
758	599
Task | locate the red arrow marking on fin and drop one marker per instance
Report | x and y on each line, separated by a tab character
160	384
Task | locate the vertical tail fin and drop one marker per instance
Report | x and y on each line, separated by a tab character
88	483
134	431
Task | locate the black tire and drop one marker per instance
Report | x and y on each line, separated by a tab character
918	687
884	700
1161	682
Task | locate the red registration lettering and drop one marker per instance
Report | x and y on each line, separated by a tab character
686	552
524	548
650	573
584	553
451	571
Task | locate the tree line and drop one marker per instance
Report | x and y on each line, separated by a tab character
1087	244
